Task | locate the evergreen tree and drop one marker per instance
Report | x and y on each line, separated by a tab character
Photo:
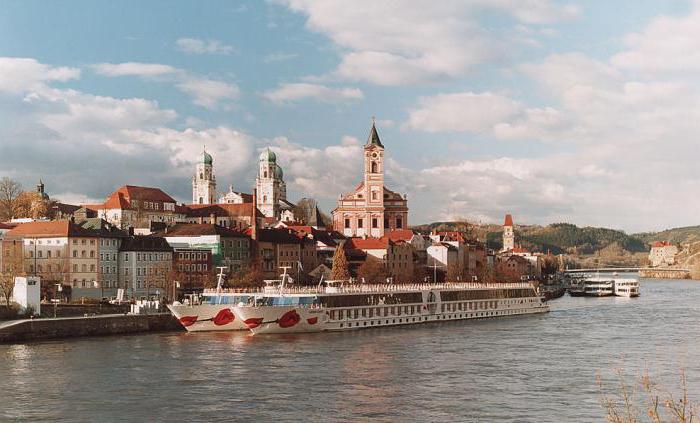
340	265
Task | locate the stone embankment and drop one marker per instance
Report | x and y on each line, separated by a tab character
68	327
664	273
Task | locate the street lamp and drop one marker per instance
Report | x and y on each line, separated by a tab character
59	288
96	284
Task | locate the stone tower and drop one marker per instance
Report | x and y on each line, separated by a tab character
204	181
508	234
374	171
269	184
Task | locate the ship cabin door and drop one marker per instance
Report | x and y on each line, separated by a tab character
433	302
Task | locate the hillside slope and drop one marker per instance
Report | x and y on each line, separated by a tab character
684	235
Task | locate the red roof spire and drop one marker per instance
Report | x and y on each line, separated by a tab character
509	220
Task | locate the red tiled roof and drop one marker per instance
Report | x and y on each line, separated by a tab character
400	235
54	228
367	243
132	192
659	244
7	225
520	250
508	221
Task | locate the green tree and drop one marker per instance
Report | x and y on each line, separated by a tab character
340	265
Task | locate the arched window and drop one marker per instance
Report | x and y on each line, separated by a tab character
374	167
201	200
264	198
265	174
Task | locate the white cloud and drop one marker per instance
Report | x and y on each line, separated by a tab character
198	46
290	93
667	44
205	92
19	74
390	44
134	69
461	112
209	93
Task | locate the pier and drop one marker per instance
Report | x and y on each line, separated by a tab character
644	272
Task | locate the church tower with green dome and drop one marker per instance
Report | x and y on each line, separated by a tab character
271	189
204	181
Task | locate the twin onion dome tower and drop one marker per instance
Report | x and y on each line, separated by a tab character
370	210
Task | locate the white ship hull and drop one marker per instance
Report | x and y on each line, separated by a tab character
294	319
206	317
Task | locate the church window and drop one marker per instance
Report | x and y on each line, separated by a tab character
347	223
374	222
359	223
201	200
265	197
265	174
374	195
374	167
399	223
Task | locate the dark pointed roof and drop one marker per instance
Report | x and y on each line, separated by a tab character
373	138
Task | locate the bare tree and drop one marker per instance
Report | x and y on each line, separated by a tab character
372	270
9	191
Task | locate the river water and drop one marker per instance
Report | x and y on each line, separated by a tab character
520	369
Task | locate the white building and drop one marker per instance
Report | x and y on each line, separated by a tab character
663	253
234	197
204	181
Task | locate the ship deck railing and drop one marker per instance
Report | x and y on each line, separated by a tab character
371	288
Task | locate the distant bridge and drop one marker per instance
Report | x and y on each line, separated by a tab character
625	270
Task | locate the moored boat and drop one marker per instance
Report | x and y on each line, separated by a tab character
598	287
626	287
211	310
342	306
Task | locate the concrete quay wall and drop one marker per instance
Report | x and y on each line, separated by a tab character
69	327
664	274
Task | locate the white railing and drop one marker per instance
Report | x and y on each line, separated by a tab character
373	288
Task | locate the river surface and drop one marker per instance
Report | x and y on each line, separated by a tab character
516	369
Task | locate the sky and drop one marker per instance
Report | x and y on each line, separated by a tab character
579	112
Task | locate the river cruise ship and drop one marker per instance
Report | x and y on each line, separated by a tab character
339	306
626	287
211	310
598	287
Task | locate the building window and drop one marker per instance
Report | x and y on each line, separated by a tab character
359	223
399	223
375	223
374	195
374	167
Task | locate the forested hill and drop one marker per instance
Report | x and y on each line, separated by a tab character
555	238
685	235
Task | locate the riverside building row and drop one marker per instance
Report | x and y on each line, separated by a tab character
140	239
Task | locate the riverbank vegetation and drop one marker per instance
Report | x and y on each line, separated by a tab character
644	399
